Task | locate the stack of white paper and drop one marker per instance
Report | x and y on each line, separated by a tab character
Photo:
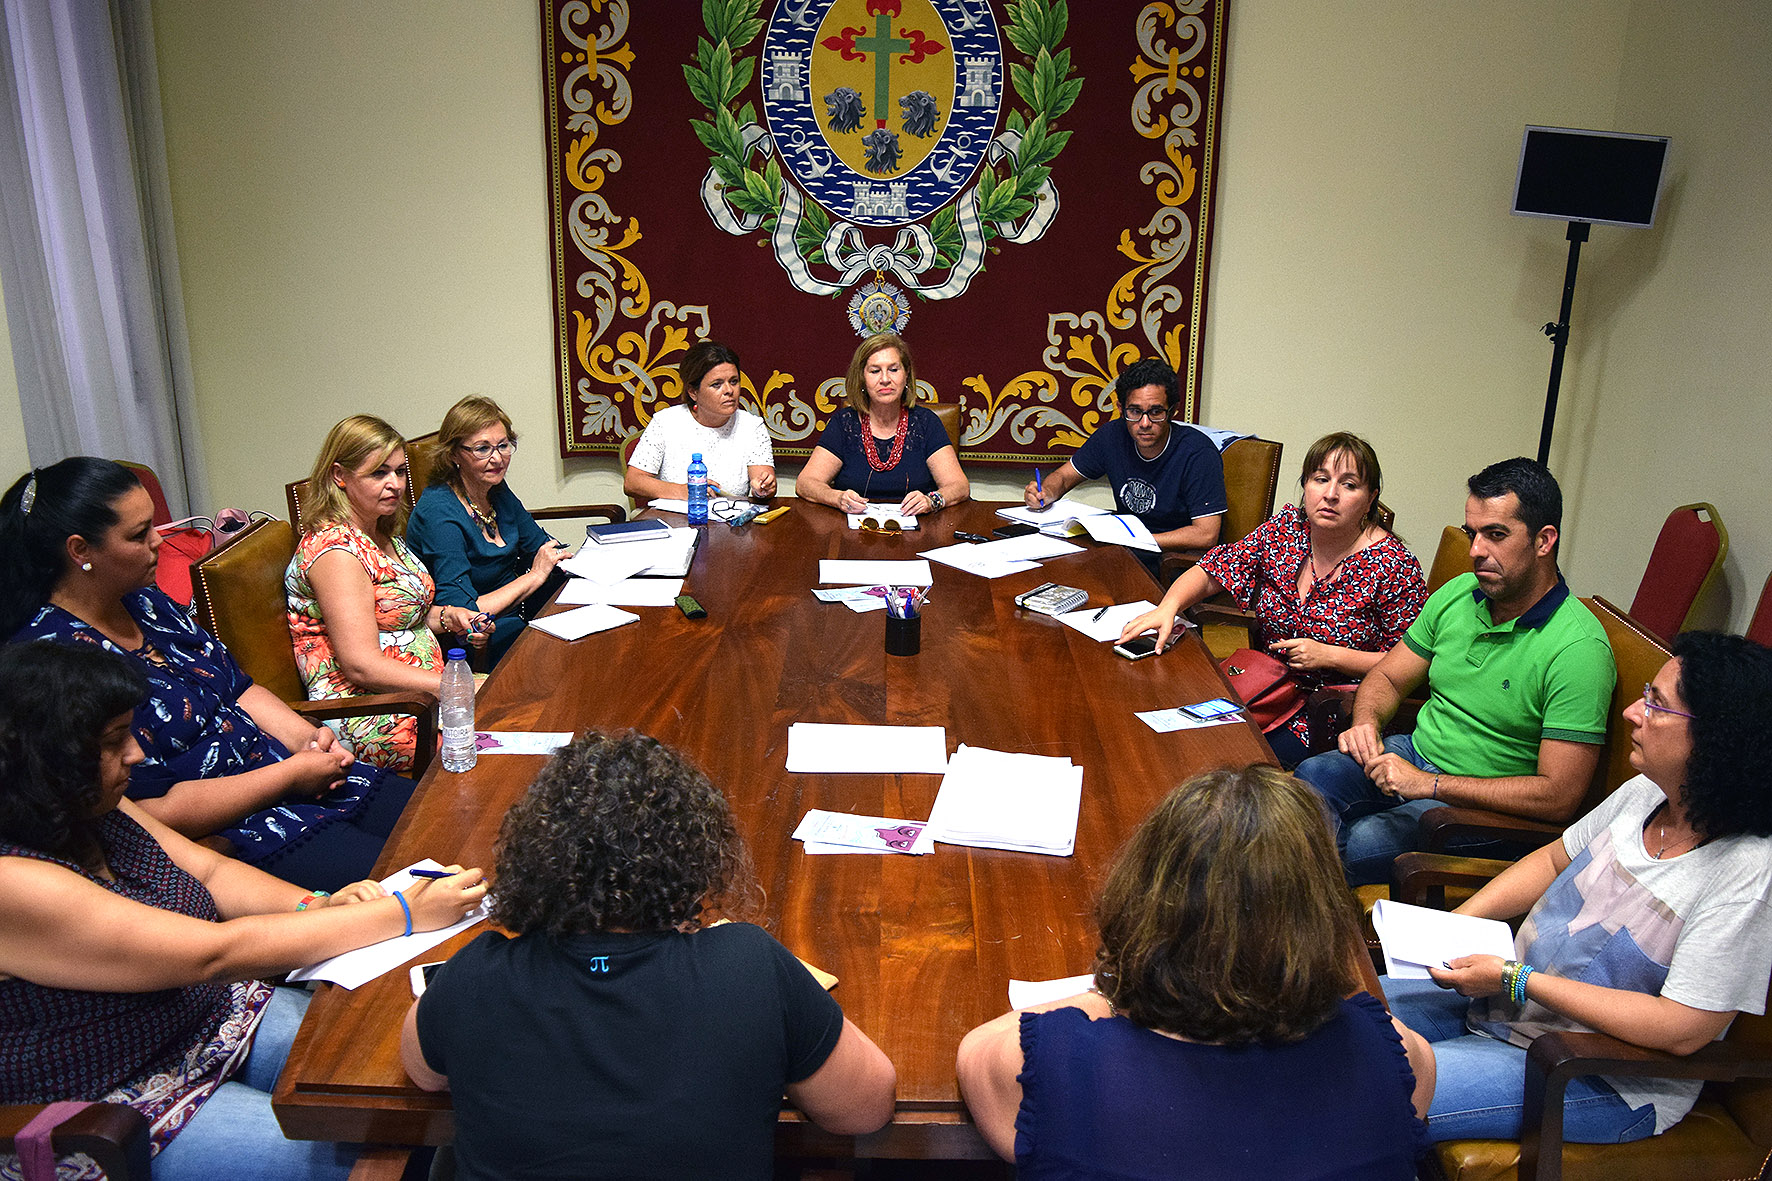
819	747
716	506
1416	937
580	622
665	556
861	572
1121	529
1062	518
629	592
1105	623
995	800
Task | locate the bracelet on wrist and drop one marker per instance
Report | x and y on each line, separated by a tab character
404	906
312	897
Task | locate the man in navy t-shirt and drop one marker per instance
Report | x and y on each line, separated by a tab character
1172	480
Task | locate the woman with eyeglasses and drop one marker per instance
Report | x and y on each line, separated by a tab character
1650	920
732	441
482	547
361	604
883	448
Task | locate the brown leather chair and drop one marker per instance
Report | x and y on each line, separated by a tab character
1251	479
240	601
949	413
1452	558
1727	1134
114	1135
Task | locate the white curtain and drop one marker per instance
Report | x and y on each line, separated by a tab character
87	254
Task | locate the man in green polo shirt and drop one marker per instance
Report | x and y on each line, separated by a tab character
1519	677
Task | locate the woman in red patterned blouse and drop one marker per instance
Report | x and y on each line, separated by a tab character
1331	588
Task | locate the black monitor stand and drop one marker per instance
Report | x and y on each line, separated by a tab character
1559	334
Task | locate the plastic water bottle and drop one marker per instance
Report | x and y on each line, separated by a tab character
698	490
456	705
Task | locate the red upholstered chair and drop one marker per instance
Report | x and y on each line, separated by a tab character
1759	628
1687	555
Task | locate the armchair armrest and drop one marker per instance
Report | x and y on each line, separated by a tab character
1555	1058
415	703
1440	826
1420	879
114	1135
609	512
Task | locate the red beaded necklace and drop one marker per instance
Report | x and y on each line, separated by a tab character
872	453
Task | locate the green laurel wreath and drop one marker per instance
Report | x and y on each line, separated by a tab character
720	75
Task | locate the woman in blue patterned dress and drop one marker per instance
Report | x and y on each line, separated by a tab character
226	761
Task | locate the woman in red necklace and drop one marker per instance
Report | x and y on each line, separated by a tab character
883	448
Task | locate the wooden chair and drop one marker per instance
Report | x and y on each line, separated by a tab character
1688	553
1759	628
1251	479
114	1135
1727	1134
240	601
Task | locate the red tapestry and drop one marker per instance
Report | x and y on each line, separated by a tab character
1027	198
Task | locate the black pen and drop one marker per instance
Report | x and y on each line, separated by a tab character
961	535
1096	618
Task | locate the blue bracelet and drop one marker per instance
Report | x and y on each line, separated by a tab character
1520	983
407	909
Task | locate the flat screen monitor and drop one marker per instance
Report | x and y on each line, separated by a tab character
1605	177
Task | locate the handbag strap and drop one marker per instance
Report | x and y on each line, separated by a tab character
36	1156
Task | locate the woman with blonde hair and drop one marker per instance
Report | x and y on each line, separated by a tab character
882	447
1227	1033
483	549
360	601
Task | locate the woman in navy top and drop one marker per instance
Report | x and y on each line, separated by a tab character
1220	1039
883	448
485	551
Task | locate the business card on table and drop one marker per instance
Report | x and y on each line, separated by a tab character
857	834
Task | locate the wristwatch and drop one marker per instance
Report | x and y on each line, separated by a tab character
937	501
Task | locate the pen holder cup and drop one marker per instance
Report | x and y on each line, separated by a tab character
904	637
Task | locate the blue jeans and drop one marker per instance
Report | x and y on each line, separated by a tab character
1480	1083
1371	828
234	1133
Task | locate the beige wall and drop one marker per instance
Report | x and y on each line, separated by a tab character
13	457
361	217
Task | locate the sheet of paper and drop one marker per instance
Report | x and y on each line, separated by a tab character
872	834
520	742
1053	514
1107	627
612	563
1167	721
580	622
716	504
963	556
1122	529
1023	993
816	747
864	605
354	968
843	594
882	513
854	572
629	592
1415	937
1029	547
993	799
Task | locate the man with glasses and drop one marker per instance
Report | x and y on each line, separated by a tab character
1172	480
1519	676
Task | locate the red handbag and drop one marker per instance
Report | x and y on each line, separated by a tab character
1269	695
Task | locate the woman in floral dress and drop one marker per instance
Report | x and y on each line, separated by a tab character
360	602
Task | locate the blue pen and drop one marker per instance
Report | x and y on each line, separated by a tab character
433	874
1039	488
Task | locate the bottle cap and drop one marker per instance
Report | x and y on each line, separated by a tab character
694	457
458	654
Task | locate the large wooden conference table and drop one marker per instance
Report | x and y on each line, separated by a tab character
923	947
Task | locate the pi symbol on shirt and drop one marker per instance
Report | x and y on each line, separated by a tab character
599	963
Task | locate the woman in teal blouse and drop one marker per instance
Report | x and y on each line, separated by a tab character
484	550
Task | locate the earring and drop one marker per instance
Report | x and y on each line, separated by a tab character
86	566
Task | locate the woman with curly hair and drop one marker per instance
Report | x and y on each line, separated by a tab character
618	1035
1651	920
1226	1034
